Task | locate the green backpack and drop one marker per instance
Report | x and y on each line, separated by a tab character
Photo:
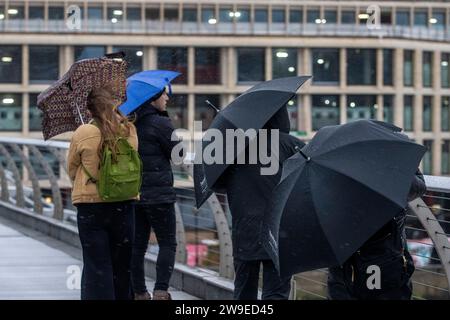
119	179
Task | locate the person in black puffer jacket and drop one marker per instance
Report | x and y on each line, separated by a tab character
156	206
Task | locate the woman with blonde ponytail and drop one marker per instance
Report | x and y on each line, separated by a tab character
106	229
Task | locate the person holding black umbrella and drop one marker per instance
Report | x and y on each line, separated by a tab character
387	250
248	193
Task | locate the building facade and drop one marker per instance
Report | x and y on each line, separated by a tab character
389	62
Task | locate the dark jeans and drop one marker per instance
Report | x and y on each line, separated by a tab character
247	277
106	235
160	217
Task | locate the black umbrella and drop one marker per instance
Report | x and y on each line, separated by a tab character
336	192
251	110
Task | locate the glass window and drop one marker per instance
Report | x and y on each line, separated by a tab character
284	63
388	108
152	14
428	157
36	12
312	15
325	111
115	14
95	13
44	64
386	16
189	15
56	13
86	52
421	18
361	107
208	14
278	16
292	108
445	70
296	16
402	18
445	165
203	112
171	14
10	112
16	12
261	15
348	17
427	113
361	67
445	113
325	66
174	59
207	66
438	19
251	64
226	14
35	115
330	16
242	15
178	110
408	113
408	68
427	68
134	14
388	67
2	12
134	56
10	64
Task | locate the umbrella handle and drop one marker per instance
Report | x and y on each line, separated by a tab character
308	159
212	106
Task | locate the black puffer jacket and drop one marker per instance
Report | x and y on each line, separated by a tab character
154	130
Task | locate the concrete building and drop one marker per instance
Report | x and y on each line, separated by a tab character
389	62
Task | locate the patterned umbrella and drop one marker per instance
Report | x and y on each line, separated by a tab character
64	104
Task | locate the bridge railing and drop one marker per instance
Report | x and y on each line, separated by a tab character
33	176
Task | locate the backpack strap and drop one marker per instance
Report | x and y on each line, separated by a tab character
91	178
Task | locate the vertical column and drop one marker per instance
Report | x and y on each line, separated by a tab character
25	114
379	72
342	68
380	107
232	67
307	114
304	120
436	121
343	108
191	67
417	69
152	58
191	112
398	85
25	65
269	67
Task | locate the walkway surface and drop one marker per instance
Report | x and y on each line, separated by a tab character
36	267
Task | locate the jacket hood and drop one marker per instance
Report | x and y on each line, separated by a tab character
280	120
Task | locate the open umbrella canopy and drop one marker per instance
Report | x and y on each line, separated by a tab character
145	85
64	104
336	192
251	110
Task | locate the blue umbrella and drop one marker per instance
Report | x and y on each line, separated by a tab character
144	85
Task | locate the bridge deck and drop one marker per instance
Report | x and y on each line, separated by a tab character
34	266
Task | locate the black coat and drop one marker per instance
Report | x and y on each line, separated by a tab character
249	192
154	130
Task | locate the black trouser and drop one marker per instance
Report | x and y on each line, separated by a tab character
160	217
247	277
106	235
